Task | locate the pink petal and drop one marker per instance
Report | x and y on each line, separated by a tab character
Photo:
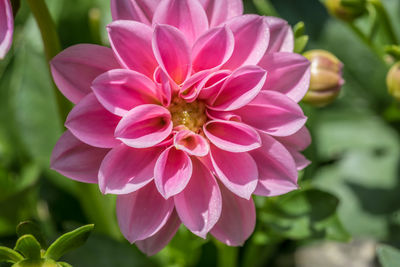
188	16
251	40
131	42
172	172
240	88
144	126
172	52
218	11
76	160
213	49
276	168
223	115
298	141
191	143
288	73
143	213
281	35
125	169
90	122
199	205
237	171
212	84
273	113
237	221
139	10
301	161
232	136
158	241
164	85
75	68
6	27
121	90
191	87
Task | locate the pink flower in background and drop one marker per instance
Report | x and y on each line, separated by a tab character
191	111
6	27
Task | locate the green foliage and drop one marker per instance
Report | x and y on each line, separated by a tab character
388	256
28	246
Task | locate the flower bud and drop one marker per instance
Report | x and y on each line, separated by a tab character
393	81
326	78
347	10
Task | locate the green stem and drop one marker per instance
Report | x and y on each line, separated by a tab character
265	8
386	22
227	256
365	40
51	44
99	209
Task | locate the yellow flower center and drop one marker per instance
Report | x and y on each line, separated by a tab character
191	115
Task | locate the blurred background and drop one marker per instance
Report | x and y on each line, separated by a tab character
349	202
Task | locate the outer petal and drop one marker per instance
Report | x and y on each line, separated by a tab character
191	143
218	11
251	40
92	124
273	113
131	42
188	16
125	169
75	68
172	52
281	35
232	136
199	205
288	73
77	160
157	242
213	49
237	171
299	140
143	213
301	161
276	168
240	88
6	27
139	10
121	90
144	126
237	221
172	172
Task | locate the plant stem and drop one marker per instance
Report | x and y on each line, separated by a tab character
227	256
265	8
386	22
51	44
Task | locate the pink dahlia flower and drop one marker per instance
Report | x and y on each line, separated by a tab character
6	27
191	111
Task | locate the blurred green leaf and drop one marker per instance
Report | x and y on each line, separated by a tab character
64	264
29	227
28	246
68	242
37	263
7	254
388	256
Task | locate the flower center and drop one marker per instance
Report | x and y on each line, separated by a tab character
191	115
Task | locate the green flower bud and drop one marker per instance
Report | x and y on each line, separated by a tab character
347	10
326	78
393	81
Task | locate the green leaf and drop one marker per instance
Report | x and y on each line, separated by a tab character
7	254
37	263
29	227
64	264
300	43
69	241
388	256
28	246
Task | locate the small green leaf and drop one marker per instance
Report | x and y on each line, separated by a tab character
299	29
7	254
29	227
300	43
69	241
28	246
36	263
388	256
64	264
